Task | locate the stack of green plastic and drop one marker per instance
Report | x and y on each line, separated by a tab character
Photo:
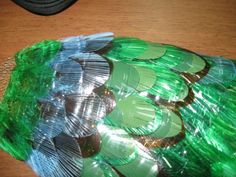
102	106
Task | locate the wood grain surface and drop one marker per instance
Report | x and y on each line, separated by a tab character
204	26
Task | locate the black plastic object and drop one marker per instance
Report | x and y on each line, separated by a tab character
44	7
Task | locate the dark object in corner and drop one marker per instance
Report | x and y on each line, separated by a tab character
44	7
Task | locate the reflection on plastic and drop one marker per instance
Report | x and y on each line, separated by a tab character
103	106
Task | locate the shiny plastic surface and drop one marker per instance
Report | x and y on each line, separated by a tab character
103	106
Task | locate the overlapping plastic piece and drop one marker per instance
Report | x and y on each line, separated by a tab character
30	79
221	71
120	150
53	115
135	115
195	95
144	165
71	106
97	168
122	107
132	48
60	156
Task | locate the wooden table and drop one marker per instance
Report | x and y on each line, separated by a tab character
204	26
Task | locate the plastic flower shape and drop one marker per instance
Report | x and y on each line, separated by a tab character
99	106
